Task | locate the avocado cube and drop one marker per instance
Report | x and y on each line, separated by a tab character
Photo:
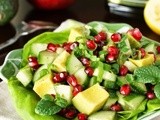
91	99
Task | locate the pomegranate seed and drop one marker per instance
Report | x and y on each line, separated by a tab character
113	50
72	80
74	45
56	78
82	116
89	71
116	37
70	113
150	95
143	52
85	61
158	49
60	77
102	36
123	70
52	47
63	75
91	45
125	89
33	63
135	33
77	89
67	47
116	107
110	58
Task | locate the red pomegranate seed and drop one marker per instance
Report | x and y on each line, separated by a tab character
116	37
123	70
143	52
91	45
109	58
158	49
33	62
113	50
70	113
89	71
56	78
101	36
150	95
60	77
135	33
85	61
82	116
67	47
63	75
77	89
52	47
125	89
72	80
74	45
116	107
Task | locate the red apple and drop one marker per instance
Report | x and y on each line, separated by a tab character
51	4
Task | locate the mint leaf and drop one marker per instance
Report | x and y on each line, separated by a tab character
147	74
157	90
47	107
61	101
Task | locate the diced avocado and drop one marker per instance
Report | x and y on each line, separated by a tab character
82	77
99	71
25	75
75	33
103	115
131	67
46	57
130	102
147	60
37	47
151	48
60	62
44	85
43	70
133	42
91	99
109	102
65	91
73	64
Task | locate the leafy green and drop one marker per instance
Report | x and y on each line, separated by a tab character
60	101
153	105
147	74
157	90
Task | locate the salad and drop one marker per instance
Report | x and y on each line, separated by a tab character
94	71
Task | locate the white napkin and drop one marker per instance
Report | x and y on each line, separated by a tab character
7	111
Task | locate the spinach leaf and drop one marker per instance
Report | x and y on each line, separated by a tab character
147	74
157	90
11	65
60	101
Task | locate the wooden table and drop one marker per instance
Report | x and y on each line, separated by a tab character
82	10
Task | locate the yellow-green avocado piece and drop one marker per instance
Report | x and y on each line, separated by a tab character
44	85
91	99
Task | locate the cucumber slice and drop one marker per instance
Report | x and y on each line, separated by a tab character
109	84
98	72
93	81
151	48
73	64
82	77
25	75
37	47
103	115
131	67
46	57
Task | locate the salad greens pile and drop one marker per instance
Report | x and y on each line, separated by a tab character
58	75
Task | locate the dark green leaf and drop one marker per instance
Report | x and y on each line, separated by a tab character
157	90
60	101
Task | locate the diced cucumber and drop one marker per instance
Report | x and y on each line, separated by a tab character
151	48
131	67
103	115
109	84
82	77
130	102
121	80
98	72
65	91
109	76
73	64
110	101
25	75
93	81
133	42
37	47
46	57
43	70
